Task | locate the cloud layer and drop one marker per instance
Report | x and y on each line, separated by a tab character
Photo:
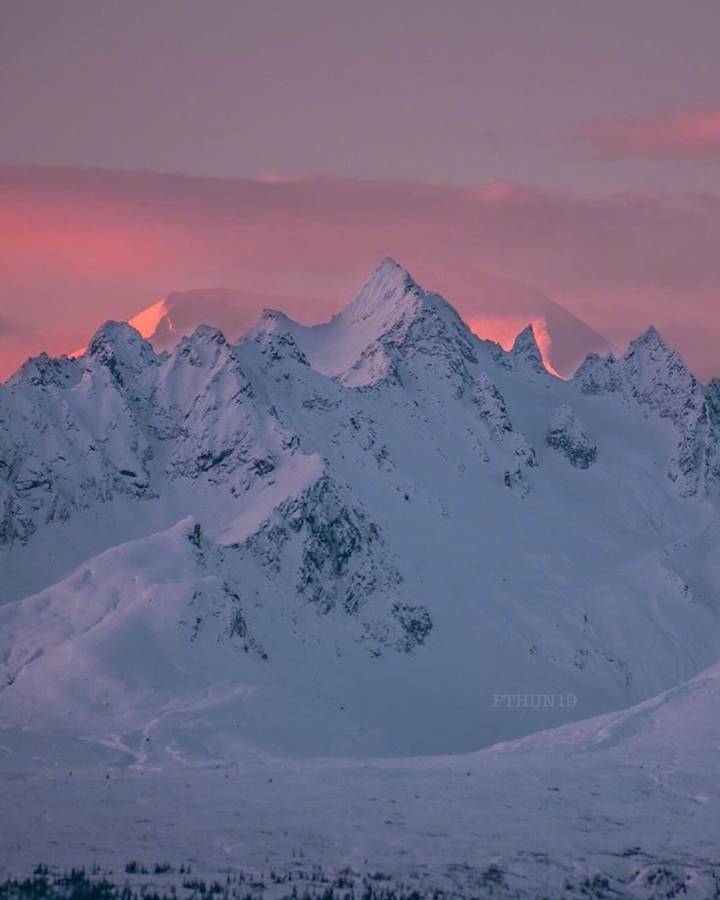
81	246
688	135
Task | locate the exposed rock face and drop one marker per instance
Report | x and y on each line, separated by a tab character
208	416
598	375
275	338
337	567
567	435
656	376
492	412
491	407
695	465
525	354
712	438
650	374
340	564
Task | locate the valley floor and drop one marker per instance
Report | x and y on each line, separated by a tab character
624	805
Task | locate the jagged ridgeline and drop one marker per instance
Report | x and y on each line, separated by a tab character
349	538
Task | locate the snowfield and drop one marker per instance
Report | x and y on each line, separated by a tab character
318	596
621	806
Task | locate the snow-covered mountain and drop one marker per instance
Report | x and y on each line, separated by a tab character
495	307
351	538
233	312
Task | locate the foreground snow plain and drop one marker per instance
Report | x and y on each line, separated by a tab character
625	805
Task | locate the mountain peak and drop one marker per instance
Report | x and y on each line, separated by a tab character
658	376
119	343
207	333
525	347
276	334
525	338
204	347
383	292
651	350
121	349
111	333
272	320
43	370
393	314
651	337
389	268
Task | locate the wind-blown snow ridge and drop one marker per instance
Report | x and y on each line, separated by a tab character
381	520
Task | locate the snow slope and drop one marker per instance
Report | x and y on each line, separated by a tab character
350	538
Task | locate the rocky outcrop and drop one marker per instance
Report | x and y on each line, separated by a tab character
525	356
340	564
654	377
567	435
516	451
598	375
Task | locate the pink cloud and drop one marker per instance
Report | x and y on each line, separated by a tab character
82	246
693	134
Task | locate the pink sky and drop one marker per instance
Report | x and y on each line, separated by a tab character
682	135
574	147
463	93
79	246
